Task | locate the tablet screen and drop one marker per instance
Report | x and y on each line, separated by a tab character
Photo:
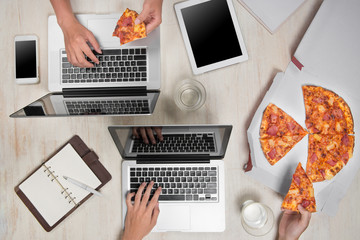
211	32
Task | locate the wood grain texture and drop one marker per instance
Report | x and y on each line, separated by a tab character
233	94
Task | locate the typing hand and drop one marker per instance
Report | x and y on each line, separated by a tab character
293	224
150	15
147	133
141	216
76	38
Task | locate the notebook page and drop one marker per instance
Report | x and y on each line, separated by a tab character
272	13
68	163
46	196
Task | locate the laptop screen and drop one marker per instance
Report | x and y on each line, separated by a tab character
185	141
59	104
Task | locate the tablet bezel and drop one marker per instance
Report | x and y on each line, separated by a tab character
198	70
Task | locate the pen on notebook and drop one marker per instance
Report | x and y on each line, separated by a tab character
83	186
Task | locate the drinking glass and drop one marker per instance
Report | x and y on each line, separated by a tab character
256	218
189	95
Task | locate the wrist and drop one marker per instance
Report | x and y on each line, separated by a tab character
66	20
129	237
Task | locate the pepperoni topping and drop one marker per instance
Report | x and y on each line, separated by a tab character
305	203
272	131
326	116
127	22
273	118
313	158
290	126
309	125
338	113
345	157
331	162
345	140
296	180
272	153
322	171
318	100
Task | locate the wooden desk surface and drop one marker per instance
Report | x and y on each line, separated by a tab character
233	94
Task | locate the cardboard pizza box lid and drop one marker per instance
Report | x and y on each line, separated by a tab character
330	48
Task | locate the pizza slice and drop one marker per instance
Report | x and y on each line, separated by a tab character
326	112
301	191
327	155
276	122
127	30
276	148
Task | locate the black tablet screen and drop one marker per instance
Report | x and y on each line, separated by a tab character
211	32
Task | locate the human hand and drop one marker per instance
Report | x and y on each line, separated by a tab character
293	224
150	15
141	216
147	133
76	38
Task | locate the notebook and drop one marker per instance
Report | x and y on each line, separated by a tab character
49	196
271	13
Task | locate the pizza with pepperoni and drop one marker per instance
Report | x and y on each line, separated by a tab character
301	191
127	30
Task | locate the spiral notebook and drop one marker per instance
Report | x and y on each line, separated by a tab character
49	196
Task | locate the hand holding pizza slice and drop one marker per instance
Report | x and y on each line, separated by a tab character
301	191
127	30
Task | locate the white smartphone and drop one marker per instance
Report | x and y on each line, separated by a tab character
26	59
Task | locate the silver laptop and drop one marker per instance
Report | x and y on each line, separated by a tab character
125	82
188	166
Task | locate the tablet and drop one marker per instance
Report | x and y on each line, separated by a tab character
211	34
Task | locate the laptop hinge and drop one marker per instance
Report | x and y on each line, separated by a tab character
171	161
105	92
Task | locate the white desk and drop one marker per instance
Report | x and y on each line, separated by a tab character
233	94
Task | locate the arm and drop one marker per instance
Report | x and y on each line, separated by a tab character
76	36
141	216
151	14
293	224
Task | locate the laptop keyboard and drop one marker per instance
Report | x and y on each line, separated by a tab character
108	107
189	184
193	143
115	65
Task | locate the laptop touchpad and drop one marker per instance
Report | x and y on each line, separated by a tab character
103	30
173	218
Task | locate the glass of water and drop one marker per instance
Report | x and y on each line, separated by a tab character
256	218
189	95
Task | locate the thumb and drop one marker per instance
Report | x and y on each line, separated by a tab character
155	215
142	16
305	215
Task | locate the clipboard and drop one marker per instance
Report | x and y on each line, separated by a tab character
91	160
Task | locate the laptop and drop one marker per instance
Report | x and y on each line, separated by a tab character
125	82
188	166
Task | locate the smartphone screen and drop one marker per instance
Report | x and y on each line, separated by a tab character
25	52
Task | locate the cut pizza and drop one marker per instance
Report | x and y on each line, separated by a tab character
327	155
127	30
276	148
326	112
301	191
276	122
279	133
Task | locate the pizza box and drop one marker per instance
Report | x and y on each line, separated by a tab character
327	56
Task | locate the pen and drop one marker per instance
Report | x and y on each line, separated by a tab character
83	186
